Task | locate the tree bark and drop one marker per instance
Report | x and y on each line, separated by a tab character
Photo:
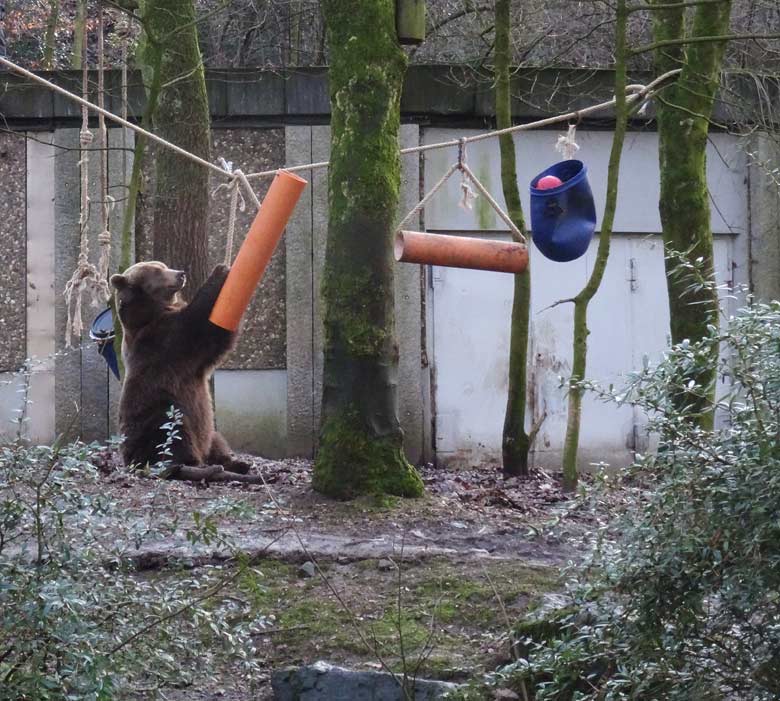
361	442
516	442
181	201
684	110
78	34
582	300
50	38
3	49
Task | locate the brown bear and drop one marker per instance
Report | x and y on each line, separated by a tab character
170	349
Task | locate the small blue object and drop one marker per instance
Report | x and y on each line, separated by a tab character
102	331
563	218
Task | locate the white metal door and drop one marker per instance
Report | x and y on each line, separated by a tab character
628	318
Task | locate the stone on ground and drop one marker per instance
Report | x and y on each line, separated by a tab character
324	682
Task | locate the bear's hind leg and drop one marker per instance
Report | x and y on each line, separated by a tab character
220	454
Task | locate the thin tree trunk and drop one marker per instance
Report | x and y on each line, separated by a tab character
50	38
361	442
516	442
582	300
78	34
181	200
684	111
3	48
152	73
139	154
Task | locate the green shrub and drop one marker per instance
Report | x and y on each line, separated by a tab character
681	599
77	621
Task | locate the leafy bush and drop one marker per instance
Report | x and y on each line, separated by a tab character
681	599
77	620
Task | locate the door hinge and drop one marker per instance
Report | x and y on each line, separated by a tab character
633	274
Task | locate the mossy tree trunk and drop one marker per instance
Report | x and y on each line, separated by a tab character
181	201
516	442
582	300
361	442
684	110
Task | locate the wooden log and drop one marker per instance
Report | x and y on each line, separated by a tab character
460	252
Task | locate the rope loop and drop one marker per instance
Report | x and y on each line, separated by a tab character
237	202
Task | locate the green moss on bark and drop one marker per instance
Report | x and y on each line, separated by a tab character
353	324
361	442
354	461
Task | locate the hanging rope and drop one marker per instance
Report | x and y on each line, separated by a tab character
467	194
421	204
237	178
104	237
237	201
634	93
468	179
86	278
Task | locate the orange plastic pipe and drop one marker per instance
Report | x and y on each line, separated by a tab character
460	252
257	249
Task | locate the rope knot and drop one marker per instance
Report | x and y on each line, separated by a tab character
567	145
86	137
461	152
467	193
104	238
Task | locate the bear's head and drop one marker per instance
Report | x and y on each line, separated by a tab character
145	291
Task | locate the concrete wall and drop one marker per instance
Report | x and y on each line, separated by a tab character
268	392
628	319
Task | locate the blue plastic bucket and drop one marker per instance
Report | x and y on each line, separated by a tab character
102	331
563	218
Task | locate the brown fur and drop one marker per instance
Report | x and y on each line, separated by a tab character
170	349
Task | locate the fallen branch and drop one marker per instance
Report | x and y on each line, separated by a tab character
212	473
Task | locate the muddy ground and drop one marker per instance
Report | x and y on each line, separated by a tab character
465	561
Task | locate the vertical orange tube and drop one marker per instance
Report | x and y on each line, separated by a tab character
257	249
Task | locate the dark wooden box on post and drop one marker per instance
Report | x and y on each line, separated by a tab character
410	21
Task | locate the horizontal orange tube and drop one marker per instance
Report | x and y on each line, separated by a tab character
460	252
257	249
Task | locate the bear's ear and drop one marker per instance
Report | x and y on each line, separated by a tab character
119	282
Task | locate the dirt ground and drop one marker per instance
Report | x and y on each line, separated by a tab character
466	561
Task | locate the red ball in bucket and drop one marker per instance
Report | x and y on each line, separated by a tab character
548	182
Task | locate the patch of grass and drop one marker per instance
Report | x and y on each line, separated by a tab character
471	600
454	600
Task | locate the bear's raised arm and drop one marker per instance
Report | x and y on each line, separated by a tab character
200	308
202	339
